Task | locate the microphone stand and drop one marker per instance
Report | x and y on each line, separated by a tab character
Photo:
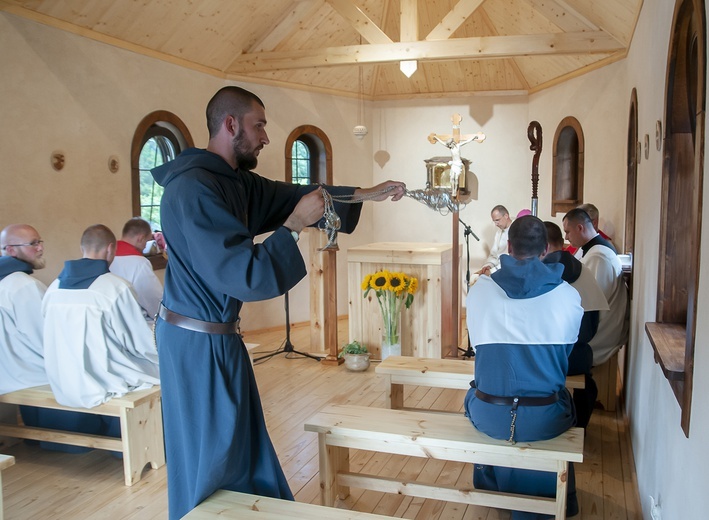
287	345
469	353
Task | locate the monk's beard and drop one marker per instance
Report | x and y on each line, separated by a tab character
245	157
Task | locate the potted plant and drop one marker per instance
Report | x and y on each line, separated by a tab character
356	356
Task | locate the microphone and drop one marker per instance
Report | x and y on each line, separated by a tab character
468	229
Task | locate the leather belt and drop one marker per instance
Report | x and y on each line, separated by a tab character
516	401
208	327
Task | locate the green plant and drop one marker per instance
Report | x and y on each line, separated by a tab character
354	347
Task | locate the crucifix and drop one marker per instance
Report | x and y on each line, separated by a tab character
455	141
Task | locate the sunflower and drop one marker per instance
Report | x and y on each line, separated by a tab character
413	285
380	281
397	282
366	281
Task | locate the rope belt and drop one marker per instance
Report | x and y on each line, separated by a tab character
208	327
513	402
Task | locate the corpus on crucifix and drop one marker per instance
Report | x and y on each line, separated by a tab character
455	142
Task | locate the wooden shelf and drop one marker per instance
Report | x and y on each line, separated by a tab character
668	340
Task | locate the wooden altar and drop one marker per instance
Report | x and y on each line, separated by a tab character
427	327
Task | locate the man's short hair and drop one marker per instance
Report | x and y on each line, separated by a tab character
500	209
135	227
97	237
578	216
590	209
229	101
554	236
528	237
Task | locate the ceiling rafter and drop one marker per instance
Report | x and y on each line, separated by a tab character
561	15
454	19
409	20
362	23
512	60
300	11
459	48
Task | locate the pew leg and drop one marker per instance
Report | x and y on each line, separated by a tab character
395	397
333	460
562	478
142	438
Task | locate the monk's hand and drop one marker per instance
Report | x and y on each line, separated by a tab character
393	189
309	210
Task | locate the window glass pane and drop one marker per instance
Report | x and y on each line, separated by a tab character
301	163
156	151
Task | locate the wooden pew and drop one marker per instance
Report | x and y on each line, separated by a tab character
398	371
5	462
439	436
140	414
231	504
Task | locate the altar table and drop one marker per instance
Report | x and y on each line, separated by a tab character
427	327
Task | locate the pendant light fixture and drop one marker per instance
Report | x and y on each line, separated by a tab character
360	130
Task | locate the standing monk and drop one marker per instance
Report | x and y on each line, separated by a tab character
212	208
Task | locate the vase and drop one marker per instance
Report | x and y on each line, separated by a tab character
357	362
391	345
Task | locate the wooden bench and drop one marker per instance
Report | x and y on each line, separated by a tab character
437	436
140	413
232	504
398	371
5	462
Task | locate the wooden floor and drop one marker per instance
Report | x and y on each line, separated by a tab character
47	485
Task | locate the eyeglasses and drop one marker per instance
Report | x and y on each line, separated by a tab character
34	243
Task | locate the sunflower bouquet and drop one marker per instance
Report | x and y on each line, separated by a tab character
394	291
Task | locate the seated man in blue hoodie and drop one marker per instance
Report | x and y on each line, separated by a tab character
523	322
97	344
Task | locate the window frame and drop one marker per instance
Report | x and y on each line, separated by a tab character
560	176
159	122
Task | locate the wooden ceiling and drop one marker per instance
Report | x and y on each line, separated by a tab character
461	46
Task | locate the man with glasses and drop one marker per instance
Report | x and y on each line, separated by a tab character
21	359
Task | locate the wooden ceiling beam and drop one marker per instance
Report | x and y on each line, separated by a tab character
362	23
562	15
409	20
454	19
476	48
299	12
613	16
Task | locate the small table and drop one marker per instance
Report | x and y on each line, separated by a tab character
456	374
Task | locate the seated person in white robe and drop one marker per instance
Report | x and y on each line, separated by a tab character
502	220
97	344
601	259
21	348
131	265
21	359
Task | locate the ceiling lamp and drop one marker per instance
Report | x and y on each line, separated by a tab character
360	130
408	67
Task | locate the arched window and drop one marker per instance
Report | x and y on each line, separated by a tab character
308	156
673	334
301	163
159	138
567	166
